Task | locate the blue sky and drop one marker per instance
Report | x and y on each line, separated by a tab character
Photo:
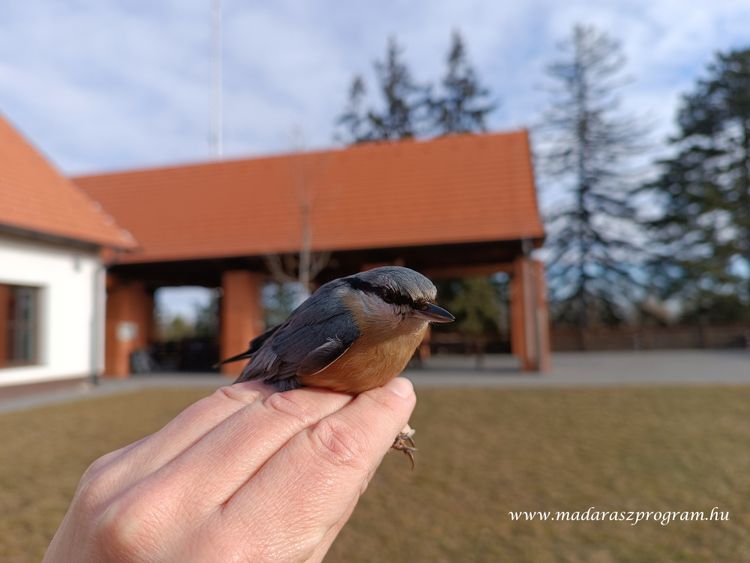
102	85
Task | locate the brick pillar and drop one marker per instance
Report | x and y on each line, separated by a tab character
129	324
518	312
241	315
4	317
529	315
542	317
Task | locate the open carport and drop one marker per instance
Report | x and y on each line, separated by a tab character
455	206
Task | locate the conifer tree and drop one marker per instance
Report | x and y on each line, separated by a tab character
704	189
403	99
462	105
593	239
353	121
403	104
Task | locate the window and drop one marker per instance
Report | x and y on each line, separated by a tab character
19	313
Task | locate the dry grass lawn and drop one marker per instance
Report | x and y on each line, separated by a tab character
482	453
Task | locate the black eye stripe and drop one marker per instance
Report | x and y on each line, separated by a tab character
390	296
385	293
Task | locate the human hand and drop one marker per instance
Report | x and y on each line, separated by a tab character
245	474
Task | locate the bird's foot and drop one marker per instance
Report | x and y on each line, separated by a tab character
405	443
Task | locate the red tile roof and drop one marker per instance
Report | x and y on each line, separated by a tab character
464	188
35	197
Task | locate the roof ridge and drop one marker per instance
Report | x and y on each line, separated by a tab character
36	179
369	145
462	188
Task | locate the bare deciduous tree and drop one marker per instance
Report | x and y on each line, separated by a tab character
303	266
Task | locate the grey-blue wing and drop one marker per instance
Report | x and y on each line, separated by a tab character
315	335
253	347
258	341
323	356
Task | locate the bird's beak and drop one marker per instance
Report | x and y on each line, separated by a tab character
434	314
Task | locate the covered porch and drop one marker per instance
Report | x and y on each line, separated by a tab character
131	287
455	206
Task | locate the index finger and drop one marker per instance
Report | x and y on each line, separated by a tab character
135	461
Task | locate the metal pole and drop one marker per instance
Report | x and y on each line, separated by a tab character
217	117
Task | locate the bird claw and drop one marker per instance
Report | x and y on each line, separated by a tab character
405	443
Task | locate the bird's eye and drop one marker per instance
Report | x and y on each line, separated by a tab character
423	306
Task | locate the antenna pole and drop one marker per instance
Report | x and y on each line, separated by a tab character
217	117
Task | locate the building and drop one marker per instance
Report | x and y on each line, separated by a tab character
453	206
51	273
448	207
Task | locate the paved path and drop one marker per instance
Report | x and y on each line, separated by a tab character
111	387
594	369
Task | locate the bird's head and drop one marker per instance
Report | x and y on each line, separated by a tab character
398	295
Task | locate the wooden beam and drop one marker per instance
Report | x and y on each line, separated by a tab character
467	271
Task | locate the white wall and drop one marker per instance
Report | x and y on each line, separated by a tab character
71	281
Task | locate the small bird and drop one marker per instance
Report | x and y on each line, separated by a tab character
353	334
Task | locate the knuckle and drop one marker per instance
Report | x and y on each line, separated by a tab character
338	442
238	393
288	403
97	466
92	493
129	528
95	485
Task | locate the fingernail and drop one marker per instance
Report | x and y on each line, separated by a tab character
401	387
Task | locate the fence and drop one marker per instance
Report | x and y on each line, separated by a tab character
650	337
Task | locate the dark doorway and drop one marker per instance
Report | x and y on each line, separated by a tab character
187	330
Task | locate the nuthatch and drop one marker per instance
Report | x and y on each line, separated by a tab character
351	335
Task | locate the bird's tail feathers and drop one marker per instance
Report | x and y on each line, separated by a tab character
243	356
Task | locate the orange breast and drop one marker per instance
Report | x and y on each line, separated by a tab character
368	364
